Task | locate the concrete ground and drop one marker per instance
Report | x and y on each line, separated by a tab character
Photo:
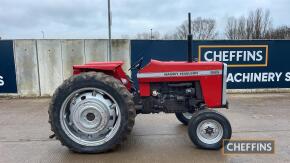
24	134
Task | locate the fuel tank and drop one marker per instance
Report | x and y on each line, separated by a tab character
211	75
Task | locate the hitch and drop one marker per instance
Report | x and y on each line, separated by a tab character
51	136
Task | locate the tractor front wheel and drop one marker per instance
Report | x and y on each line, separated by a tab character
91	112
207	129
184	117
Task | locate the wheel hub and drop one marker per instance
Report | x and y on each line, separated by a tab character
90	116
209	131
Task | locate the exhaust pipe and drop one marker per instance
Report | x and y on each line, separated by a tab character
189	40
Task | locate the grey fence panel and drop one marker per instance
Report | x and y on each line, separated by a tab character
121	52
42	65
72	54
26	67
50	65
96	50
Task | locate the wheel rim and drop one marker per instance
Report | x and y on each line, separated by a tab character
90	116
187	115
209	131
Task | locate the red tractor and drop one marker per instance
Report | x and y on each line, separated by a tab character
94	110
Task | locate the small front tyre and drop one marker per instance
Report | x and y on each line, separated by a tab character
208	128
184	117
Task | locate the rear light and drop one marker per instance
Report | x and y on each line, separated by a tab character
76	71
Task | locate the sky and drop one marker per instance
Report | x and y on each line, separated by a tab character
78	19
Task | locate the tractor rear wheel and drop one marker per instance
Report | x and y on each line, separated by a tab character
207	129
91	112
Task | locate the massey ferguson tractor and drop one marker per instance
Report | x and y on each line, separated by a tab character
94	110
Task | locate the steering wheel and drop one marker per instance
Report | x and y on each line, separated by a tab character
137	65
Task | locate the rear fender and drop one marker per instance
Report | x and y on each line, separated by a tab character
110	68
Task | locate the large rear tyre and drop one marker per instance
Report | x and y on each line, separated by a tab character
91	113
207	129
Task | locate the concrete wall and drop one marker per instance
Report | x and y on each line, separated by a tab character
120	49
73	52
25	53
96	50
50	65
42	65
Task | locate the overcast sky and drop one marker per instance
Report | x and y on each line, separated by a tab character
88	18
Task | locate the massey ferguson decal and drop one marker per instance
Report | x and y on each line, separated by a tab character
179	74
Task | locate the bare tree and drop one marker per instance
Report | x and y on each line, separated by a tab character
147	36
201	28
168	36
181	31
256	26
250	25
241	29
232	29
267	23
282	32
125	36
236	28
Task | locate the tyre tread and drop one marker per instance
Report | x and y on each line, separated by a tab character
108	80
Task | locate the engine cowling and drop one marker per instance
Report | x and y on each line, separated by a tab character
210	75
